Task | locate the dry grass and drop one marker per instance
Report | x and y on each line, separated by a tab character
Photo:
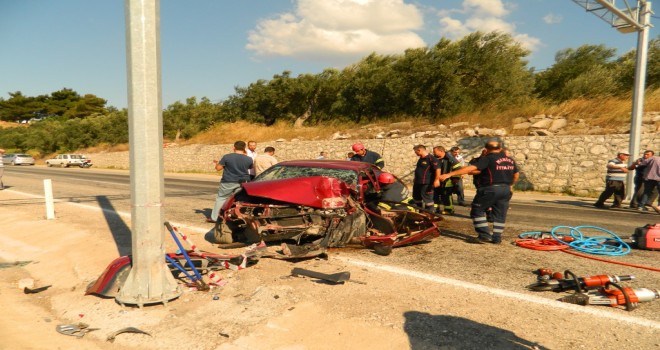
230	132
4	124
608	113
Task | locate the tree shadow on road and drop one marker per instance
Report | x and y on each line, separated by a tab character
573	202
426	331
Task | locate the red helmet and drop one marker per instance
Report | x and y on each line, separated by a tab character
386	178
357	147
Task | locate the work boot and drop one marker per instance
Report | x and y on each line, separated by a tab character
477	240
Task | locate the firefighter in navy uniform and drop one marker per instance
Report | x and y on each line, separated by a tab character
442	194
498	175
426	178
364	155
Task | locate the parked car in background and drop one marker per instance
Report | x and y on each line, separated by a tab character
311	205
67	160
17	159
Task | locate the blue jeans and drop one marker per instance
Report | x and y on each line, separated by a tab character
225	190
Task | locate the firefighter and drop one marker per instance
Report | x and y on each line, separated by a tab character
442	194
498	175
364	155
426	178
392	191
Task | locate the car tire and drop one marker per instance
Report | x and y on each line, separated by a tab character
49	165
221	233
13	163
383	249
64	165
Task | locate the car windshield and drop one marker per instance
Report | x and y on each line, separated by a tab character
23	155
279	172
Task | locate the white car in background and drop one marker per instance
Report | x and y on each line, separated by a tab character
17	159
67	160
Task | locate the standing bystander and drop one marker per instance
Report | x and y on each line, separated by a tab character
617	170
426	178
252	153
498	174
2	168
264	161
235	168
651	180
638	180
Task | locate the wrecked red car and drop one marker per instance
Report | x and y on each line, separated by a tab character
311	205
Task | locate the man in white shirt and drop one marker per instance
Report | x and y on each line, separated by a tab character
458	183
2	168
252	153
264	161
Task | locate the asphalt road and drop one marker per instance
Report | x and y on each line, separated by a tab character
188	198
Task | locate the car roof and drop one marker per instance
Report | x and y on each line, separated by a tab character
330	164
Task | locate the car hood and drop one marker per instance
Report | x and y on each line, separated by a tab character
309	191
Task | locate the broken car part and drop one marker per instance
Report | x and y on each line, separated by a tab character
335	278
77	330
111	337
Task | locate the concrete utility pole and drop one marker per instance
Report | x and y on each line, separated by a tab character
149	281
629	20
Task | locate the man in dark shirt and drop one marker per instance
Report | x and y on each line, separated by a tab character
364	155
235	168
442	193
639	182
498	174
426	178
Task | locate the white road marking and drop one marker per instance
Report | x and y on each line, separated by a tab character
122	214
503	293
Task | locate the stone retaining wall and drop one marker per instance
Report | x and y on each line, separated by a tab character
566	164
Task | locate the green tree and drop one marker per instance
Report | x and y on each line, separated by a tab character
570	64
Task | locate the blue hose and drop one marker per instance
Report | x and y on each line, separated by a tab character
610	245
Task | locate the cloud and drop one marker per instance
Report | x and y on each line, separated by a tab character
338	28
552	18
485	16
494	8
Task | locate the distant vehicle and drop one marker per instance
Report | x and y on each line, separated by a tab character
67	160
17	159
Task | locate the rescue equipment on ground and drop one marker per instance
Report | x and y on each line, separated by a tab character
593	290
647	237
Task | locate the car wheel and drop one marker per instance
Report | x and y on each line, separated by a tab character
63	165
383	249
221	233
49	164
13	163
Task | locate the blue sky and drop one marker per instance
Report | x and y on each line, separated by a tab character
210	46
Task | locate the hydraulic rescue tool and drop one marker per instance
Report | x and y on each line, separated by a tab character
556	282
593	290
